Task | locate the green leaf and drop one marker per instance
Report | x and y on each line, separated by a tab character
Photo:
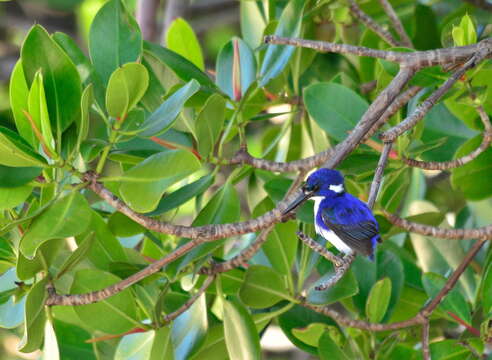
235	61
378	300
68	216
281	247
449	350
60	77
344	288
183	68
453	302
182	195
28	269
390	265
142	186
35	318
328	349
165	116
465	33
334	107
11	197
12	177
11	312
38	109
241	336
126	87
189	330
262	287
77	256
277	56
114	315
18	92
16	152
313	332
162	347
209	123
71	341
487	289
135	346
114	39
471	178
122	226
87	73
181	39
83	122
252	23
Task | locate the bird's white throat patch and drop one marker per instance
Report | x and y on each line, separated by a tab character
336	188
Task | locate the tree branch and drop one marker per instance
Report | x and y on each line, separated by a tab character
378	176
146	16
484	232
445	165
395	21
425	340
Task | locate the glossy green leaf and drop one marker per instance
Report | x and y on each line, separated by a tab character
71	341
121	225
449	350
344	288
87	73
126	87
83	122
11	177
17	152
135	346
454	302
262	287
60	77
252	23
68	216
183	68
334	107
162	347
390	265
241	75
465	33
142	186
181	39
28	268
113	315
11	197
277	56
189	330
487	289
328	349
313	332
165	116
182	195
77	256
378	300
18	92
209	123
114	39
38	109
471	178
281	247
241	336
35	318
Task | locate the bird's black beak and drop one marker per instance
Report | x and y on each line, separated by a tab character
298	202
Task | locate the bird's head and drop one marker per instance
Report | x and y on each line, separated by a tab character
321	183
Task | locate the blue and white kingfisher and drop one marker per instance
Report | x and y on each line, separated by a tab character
339	217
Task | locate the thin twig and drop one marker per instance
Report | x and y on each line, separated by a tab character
171	316
146	16
378	175
371	24
339	272
484	232
320	249
445	165
425	340
395	21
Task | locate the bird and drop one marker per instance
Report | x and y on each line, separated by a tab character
339	217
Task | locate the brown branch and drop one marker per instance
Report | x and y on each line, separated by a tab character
395	21
371	24
425	106
484	232
378	175
339	272
173	10
421	317
425	340
320	249
146	16
171	316
417	59
445	165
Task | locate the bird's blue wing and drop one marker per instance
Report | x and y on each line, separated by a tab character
354	224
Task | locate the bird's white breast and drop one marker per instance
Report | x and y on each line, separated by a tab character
328	234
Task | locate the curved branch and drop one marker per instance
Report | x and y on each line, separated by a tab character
427	104
484	232
445	165
395	21
378	175
371	24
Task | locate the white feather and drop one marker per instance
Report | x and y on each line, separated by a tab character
336	188
328	234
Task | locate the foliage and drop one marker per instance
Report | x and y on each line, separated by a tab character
158	132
